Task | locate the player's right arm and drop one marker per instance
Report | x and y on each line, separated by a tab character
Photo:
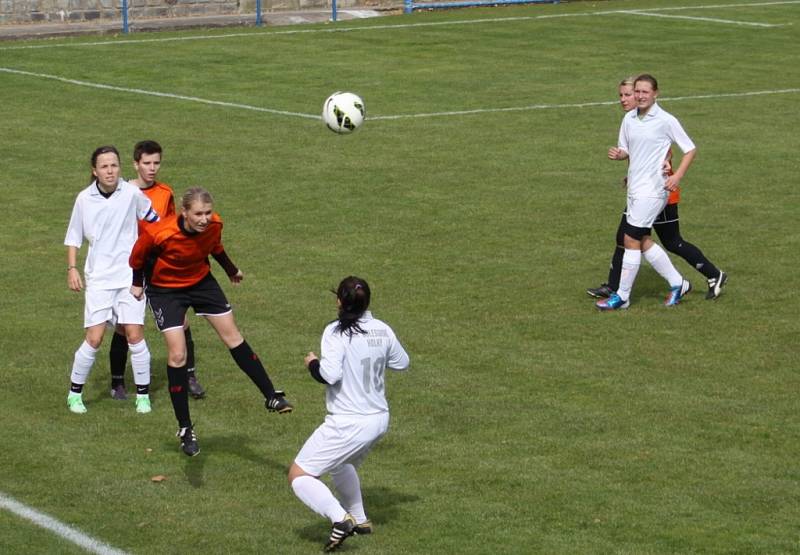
73	274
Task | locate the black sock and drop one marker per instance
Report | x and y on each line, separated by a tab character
695	257
118	355
616	268
248	361
76	387
187	333
142	389
179	394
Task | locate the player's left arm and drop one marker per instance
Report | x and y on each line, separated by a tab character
687	146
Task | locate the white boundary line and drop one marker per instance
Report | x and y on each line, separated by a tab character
706	19
376	118
269	33
49	523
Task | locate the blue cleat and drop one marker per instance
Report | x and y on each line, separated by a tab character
676	294
614	302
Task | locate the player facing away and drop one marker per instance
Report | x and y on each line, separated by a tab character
147	163
645	137
667	228
356	350
106	215
181	278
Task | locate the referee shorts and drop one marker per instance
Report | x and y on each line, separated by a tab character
169	306
341	439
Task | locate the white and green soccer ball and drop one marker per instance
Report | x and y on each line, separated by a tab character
343	112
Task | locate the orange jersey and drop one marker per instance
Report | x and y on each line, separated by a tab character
161	196
181	258
674	196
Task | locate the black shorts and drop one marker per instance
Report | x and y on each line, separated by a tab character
169	306
636	232
668	215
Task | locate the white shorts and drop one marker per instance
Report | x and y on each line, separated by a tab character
642	212
112	305
341	439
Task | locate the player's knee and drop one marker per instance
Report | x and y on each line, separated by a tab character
673	244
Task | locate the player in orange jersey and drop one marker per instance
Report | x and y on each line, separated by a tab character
147	162
181	278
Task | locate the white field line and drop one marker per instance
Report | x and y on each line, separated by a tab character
157	93
382	27
49	523
373	118
707	19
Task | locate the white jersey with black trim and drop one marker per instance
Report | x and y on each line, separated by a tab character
354	366
110	226
647	142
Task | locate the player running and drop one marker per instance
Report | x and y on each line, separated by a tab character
181	278
356	351
667	228
106	215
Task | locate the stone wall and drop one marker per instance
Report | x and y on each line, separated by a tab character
66	11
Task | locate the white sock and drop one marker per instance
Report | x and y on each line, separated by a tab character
347	483
82	363
631	261
318	498
140	362
661	263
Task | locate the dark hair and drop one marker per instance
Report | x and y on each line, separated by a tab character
97	152
353	294
646	77
194	194
145	147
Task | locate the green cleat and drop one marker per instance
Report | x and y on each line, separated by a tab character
75	403
143	404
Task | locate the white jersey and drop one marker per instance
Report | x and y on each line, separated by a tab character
354	366
647	142
110	226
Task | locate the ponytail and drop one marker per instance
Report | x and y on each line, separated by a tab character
354	295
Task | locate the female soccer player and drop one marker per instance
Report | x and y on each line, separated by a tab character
356	350
147	163
181	278
666	226
106	214
645	137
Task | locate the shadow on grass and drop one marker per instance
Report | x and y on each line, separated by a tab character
237	445
382	506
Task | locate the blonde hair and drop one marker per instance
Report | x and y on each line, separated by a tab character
628	81
194	194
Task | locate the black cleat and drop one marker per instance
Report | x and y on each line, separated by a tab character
188	441
278	403
118	393
195	389
340	531
363	528
602	292
715	286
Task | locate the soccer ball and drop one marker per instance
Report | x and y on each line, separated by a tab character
343	112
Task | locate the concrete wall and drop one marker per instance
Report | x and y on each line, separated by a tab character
66	11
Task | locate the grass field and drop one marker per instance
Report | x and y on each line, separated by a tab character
478	202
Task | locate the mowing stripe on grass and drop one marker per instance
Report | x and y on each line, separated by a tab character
49	523
270	33
378	118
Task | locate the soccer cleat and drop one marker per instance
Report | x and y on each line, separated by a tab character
118	393
715	286
614	302
75	403
340	531
195	389
188	441
143	404
676	294
278	403
363	528
602	292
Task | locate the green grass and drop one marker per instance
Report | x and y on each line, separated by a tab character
529	423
